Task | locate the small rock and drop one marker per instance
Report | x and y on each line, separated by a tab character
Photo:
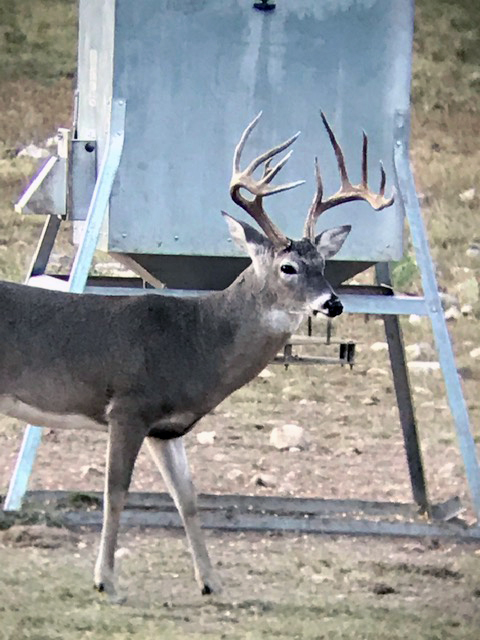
453	313
473	251
382	589
234	474
206	437
468	291
32	151
379	346
423	367
51	142
90	471
448	299
467	373
419	350
287	436
422	391
423	199
376	371
467	196
373	400
475	353
266	373
123	552
414	319
466	309
264	480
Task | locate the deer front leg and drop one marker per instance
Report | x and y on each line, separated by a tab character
124	443
171	458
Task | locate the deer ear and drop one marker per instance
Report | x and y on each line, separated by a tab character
246	237
330	242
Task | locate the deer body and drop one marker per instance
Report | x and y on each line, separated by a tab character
101	354
149	367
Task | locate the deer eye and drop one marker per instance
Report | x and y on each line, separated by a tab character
289	269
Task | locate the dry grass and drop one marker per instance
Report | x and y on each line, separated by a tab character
276	586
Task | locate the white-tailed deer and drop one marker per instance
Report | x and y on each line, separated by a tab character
149	367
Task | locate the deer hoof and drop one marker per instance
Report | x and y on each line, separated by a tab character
109	591
211	587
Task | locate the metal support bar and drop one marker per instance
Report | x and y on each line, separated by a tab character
100	199
266	513
76	283
226	521
44	247
384	305
279	505
393	333
446	357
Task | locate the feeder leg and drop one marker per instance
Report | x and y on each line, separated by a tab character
32	435
44	248
76	283
458	407
396	350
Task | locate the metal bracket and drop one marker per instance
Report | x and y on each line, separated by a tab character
346	352
47	192
83	175
264	5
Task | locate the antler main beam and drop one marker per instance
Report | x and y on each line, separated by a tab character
348	191
260	188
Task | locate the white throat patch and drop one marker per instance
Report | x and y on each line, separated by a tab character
281	321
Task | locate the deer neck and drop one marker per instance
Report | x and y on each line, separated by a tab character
260	323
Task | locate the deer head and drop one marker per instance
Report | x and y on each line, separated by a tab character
294	269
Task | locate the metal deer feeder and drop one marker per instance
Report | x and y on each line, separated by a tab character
163	91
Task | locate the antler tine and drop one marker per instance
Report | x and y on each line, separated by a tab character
269	174
264	157
364	161
309	230
241	143
261	187
348	192
383	179
338	152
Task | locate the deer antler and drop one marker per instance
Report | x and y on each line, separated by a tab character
261	187
348	191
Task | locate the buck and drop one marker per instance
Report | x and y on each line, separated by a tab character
149	367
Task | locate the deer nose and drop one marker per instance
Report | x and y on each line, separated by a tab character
333	306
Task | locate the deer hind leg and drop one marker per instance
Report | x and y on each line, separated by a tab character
124	443
171	458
